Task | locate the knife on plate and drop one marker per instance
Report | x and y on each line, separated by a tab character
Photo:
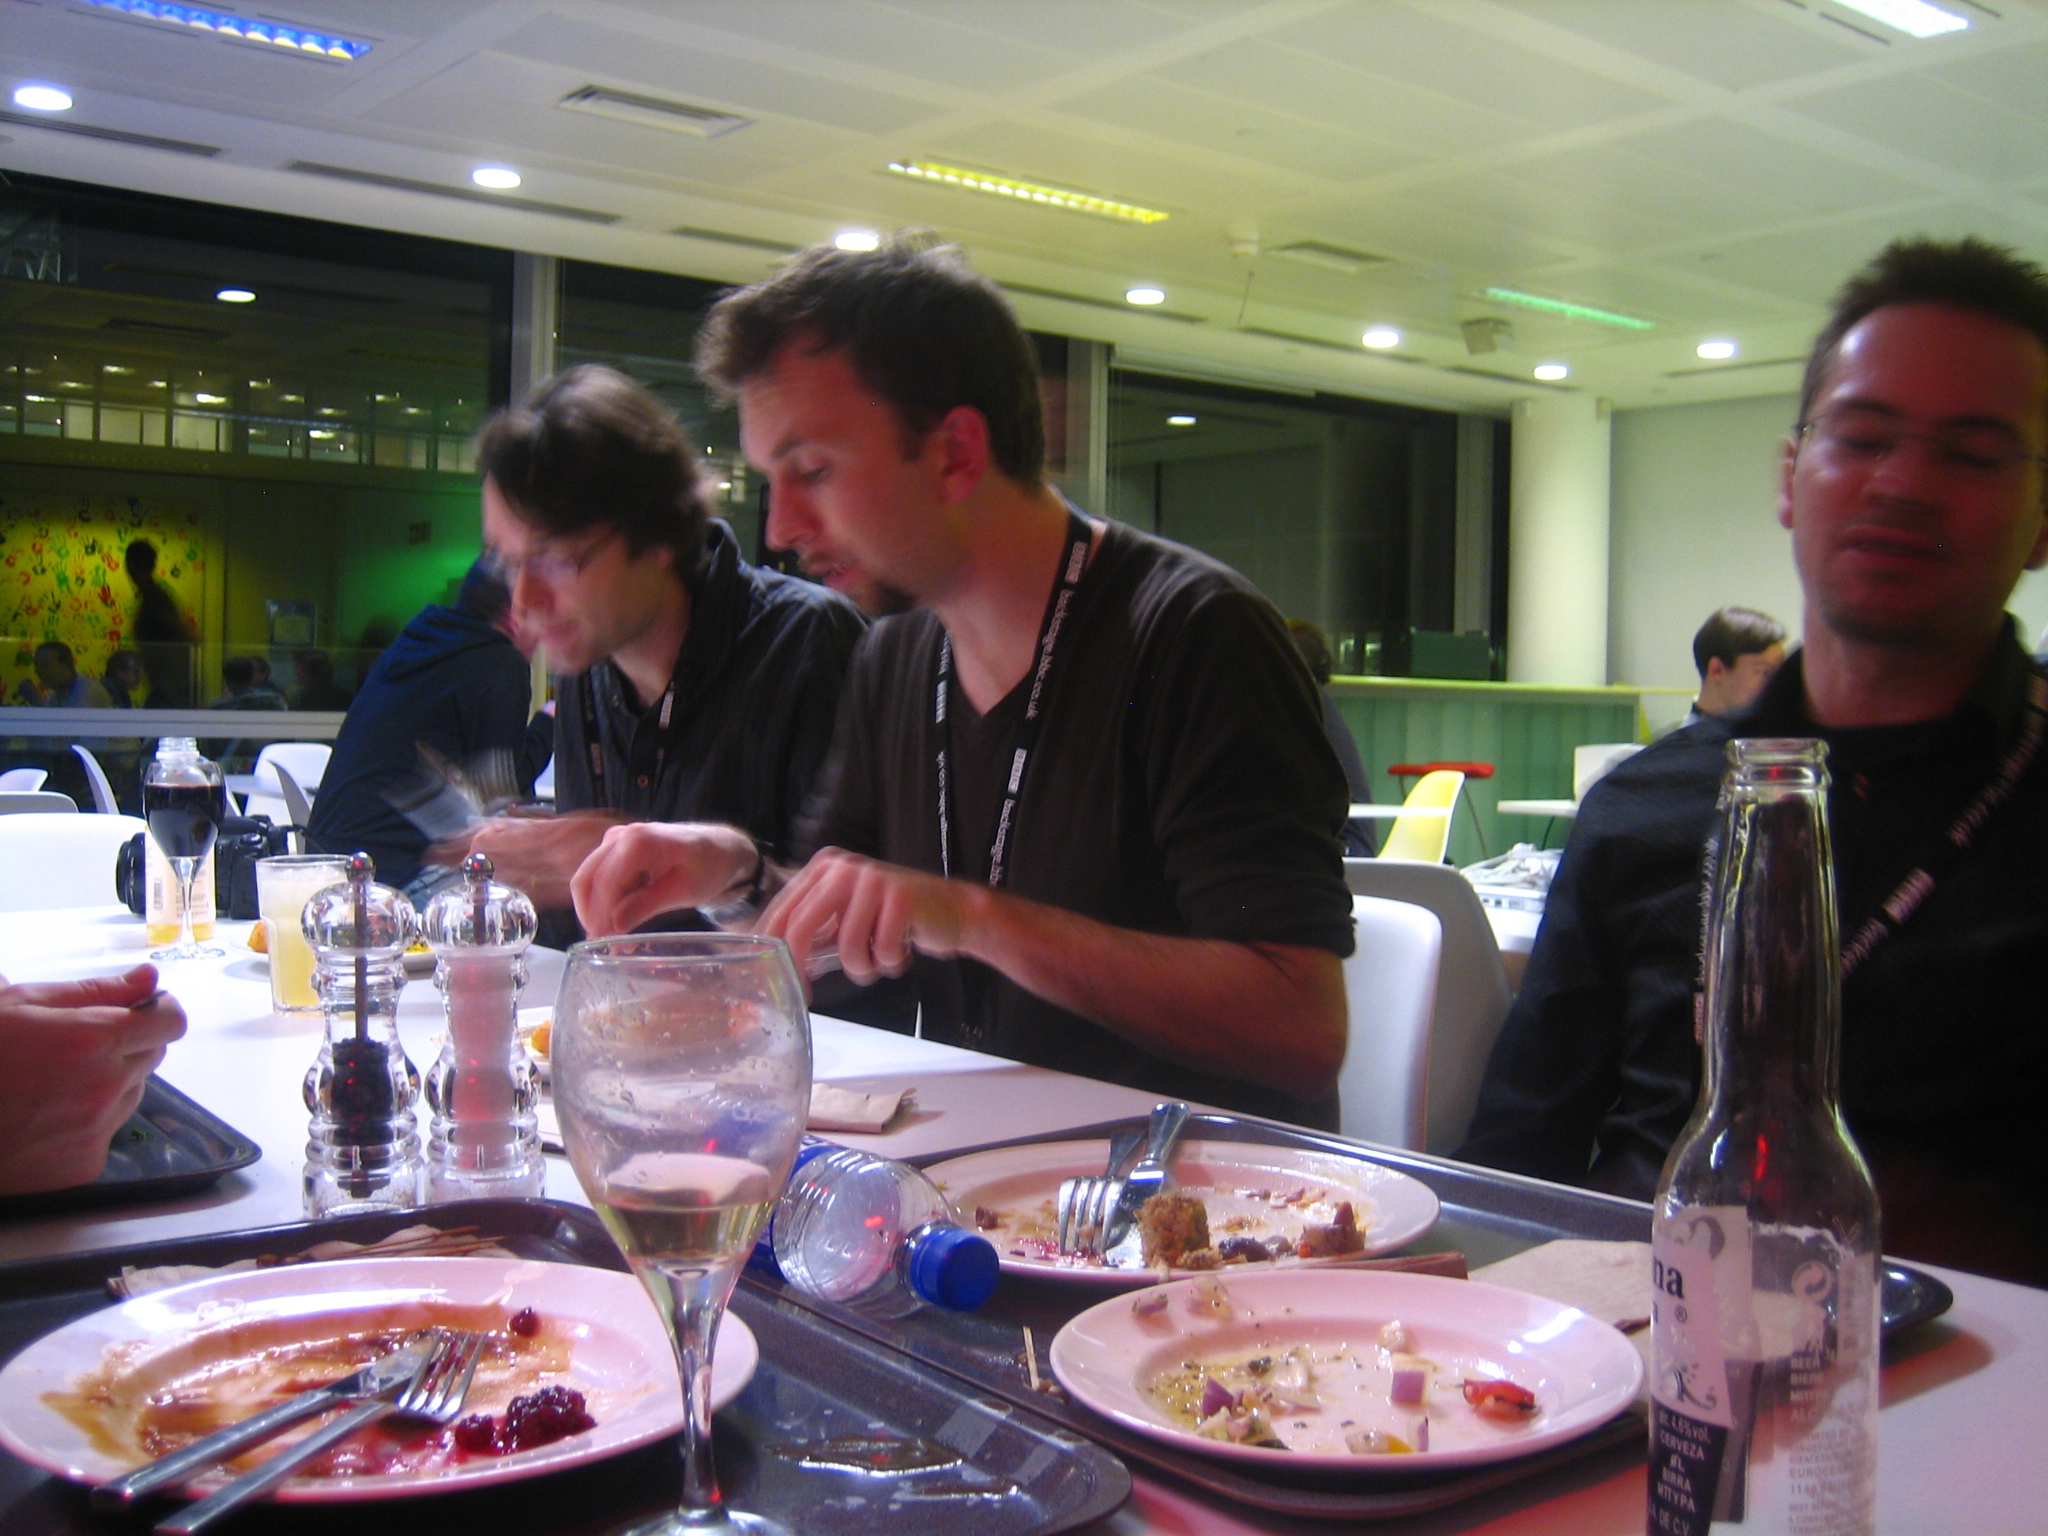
379	1378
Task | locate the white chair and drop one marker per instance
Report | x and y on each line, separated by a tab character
23	778
102	788
305	761
61	861
1592	763
1390	981
299	764
30	802
1472	991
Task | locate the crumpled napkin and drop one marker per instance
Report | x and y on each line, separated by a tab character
834	1108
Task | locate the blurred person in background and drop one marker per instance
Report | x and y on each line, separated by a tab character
314	686
1736	651
163	636
58	682
123	679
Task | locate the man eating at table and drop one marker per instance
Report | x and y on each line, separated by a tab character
1913	486
1080	786
691	684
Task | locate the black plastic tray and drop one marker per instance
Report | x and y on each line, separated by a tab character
1486	1215
167	1148
1019	1474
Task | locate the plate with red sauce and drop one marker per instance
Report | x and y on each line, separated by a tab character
108	1392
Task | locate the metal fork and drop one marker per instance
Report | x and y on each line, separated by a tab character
435	1395
1096	1213
1086	1200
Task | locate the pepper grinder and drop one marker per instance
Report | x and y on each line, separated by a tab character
484	1139
363	1145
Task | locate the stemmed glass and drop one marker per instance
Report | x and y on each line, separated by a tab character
184	798
682	1076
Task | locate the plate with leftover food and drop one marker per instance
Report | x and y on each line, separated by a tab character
578	1369
1232	1205
1347	1370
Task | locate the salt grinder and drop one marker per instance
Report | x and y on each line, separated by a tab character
363	1145
484	1139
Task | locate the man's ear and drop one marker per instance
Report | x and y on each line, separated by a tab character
1788	460
961	438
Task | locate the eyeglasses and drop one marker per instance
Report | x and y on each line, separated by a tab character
552	567
1856	438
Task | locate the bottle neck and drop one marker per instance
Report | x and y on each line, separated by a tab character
1772	1011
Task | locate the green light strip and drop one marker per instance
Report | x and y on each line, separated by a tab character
1025	191
1569	310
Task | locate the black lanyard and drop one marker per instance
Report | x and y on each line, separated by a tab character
1919	884
593	738
1079	539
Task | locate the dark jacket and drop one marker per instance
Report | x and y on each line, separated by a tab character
451	682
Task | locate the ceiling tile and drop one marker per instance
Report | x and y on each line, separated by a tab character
1723	42
1426	52
1936	122
1324	92
1082	28
2014	78
1178	115
1769	170
667	69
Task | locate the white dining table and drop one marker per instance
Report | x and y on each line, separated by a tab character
1963	1421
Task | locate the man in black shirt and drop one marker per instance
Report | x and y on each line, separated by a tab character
690	684
1080	782
1914	491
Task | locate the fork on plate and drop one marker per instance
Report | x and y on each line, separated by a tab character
435	1395
1094	1214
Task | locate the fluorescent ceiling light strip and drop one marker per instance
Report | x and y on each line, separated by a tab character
1916	18
327	45
1569	310
1025	191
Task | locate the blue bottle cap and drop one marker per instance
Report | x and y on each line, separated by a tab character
953	1268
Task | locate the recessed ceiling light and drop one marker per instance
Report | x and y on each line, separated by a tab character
317	432
497	178
1569	310
110	368
42	98
236	296
857	240
1715	351
1145	296
1382	336
225	24
206	399
1552	371
1916	18
1024	191
1180	421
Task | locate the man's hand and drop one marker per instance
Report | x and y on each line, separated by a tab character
535	854
645	868
76	1054
877	914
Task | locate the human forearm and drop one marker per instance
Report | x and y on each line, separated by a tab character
645	868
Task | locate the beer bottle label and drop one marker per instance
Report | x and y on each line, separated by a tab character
1690	1417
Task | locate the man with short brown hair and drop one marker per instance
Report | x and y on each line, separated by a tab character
1914	488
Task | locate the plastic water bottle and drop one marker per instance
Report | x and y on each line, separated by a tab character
875	1235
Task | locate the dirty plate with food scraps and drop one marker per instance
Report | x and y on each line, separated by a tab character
1306	1348
1251	1191
617	1356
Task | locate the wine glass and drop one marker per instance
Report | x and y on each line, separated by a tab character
184	799
682	1077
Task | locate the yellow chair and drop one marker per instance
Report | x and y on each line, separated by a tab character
1424	838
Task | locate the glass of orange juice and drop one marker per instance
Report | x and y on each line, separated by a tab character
284	883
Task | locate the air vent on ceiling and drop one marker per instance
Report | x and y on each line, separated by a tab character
653	111
748	242
1334	258
438	189
117	135
1122	308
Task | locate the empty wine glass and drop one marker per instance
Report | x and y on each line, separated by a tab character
682	1076
184	799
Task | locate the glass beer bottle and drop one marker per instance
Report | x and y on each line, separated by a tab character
1765	1228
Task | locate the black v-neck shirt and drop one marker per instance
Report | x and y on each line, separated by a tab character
1182	786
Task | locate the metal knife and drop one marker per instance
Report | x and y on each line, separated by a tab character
380	1378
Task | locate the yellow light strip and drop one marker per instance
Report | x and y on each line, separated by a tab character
1025	191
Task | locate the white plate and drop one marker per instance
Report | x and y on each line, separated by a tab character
1393	1208
622	1362
1582	1371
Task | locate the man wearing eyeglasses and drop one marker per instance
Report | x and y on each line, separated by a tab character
1914	490
690	685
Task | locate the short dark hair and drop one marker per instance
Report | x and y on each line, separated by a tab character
122	658
1732	633
58	649
1315	650
1967	274
140	558
589	448
239	672
484	594
919	326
